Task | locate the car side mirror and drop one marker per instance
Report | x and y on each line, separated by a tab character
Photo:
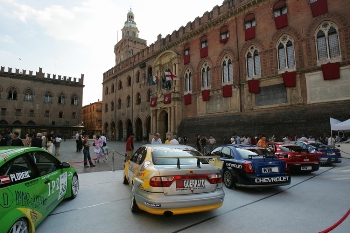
65	165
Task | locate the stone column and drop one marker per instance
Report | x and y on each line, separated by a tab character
169	120
173	119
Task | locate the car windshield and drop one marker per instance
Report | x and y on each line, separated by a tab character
292	149
170	152
253	153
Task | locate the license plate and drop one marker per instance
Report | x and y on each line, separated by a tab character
269	169
305	168
333	159
306	160
331	153
200	183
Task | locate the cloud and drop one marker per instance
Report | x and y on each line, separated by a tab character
83	24
7	39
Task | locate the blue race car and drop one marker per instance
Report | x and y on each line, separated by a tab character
327	154
250	167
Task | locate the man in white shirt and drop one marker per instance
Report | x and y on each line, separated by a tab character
57	141
212	142
174	141
331	141
77	140
104	139
156	139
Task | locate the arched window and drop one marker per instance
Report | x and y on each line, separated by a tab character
249	21
106	107
47	113
112	88
28	95
61	98
253	62
227	70
204	41
188	81
224	32
112	106
120	85
187	49
119	103
128	101
74	115
138	98
138	77
12	93
205	76
327	43
149	94
48	97
106	91
129	81
285	53
60	115
74	100
280	8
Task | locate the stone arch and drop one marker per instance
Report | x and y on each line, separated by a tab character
12	87
25	90
333	17
222	55
292	32
17	122
30	123
120	130
128	127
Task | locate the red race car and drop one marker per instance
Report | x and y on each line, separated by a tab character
297	158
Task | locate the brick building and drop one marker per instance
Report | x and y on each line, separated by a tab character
248	67
40	103
92	118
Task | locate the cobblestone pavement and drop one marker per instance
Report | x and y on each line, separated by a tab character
68	154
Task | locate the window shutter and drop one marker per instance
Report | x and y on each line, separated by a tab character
281	57
257	62
230	71
290	53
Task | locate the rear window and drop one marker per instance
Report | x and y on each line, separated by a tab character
292	149
253	153
157	152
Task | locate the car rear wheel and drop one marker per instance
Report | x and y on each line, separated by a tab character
125	181
134	208
20	226
75	186
228	179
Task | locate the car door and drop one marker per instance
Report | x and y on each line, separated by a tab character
135	162
19	190
53	180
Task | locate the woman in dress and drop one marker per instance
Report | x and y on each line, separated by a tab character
98	144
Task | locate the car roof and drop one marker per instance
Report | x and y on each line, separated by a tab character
242	146
177	146
7	152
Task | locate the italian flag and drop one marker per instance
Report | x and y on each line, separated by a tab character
153	80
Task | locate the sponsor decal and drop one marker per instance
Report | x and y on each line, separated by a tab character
59	184
34	216
239	166
145	165
30	183
19	176
6	198
153	204
4	180
25	199
272	179
63	185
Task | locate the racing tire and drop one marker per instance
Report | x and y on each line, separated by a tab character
134	208
74	186
229	179
21	225
125	181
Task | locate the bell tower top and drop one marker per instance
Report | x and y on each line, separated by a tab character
130	28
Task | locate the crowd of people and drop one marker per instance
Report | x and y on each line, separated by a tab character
46	141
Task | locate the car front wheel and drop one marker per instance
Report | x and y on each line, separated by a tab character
75	186
20	226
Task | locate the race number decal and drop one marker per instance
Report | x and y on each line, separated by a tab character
63	185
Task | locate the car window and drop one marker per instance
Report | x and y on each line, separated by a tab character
227	152
16	171
45	162
217	151
252	153
140	155
157	152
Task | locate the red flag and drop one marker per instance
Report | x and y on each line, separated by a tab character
153	102
170	76
167	98
4	179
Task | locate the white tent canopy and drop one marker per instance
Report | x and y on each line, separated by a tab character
344	126
333	121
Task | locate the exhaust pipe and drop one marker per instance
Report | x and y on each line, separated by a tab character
168	214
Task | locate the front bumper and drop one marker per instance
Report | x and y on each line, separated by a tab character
158	203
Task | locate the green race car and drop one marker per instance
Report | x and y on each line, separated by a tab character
32	183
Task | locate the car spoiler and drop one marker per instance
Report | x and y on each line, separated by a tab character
188	157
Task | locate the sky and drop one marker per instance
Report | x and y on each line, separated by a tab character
74	37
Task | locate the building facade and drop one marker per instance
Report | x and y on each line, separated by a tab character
32	103
92	118
272	67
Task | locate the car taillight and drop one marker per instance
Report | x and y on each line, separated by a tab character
214	178
247	167
161	181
